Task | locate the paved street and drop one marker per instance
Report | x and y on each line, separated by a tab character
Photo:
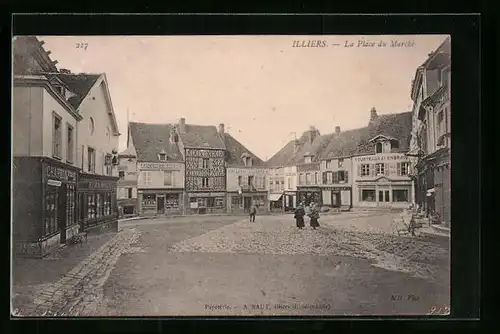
218	265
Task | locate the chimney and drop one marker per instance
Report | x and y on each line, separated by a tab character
312	133
373	114
337	130
295	146
174	136
65	70
221	128
182	125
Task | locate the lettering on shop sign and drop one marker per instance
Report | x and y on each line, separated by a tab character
96	185
53	172
158	166
337	188
381	158
310	189
247	171
206	194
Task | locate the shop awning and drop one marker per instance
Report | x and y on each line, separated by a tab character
275	197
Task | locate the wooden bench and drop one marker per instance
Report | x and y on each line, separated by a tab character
78	238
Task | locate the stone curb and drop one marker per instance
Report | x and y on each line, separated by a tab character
65	294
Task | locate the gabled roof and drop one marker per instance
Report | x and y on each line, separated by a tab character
151	139
202	136
79	84
357	141
281	157
30	56
128	152
235	151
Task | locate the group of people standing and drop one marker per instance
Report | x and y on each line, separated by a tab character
311	211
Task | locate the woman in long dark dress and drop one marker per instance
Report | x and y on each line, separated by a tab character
314	215
299	216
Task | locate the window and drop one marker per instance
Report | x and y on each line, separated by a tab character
162	156
308	178
167	178
378	147
336	177
204	182
301	178
204	163
340	162
237	201
121	175
91	126
365	169
329	177
57	136
146	177
51	209
440	117
400	195
308	159
328	164
288	180
368	195
219	202
316	178
248	161
250	181
403	168
172	201
91	159
342	176
380	169
240	180
71	144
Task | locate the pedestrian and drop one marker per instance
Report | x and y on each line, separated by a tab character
253	212
299	216
314	216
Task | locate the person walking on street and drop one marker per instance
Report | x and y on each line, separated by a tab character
299	216
314	216
253	213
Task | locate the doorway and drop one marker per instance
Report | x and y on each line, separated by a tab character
247	203
336	199
62	202
160	204
383	197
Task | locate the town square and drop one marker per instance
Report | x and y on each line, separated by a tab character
132	199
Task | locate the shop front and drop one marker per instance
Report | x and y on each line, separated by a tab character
98	209
276	202
290	200
337	197
241	202
205	202
308	195
384	194
153	202
44	205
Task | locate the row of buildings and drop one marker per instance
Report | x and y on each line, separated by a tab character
395	161
64	147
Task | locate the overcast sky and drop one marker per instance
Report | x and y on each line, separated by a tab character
261	87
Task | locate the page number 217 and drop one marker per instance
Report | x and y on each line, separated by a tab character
82	46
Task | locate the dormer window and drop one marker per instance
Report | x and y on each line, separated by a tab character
378	148
162	156
248	162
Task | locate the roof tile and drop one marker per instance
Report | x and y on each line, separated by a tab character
151	139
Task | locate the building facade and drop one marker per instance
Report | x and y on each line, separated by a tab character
337	179
44	171
433	138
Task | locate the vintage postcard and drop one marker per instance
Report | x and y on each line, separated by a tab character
231	175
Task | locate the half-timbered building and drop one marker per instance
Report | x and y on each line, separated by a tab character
205	168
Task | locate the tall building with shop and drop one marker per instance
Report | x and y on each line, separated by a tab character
432	133
153	152
47	177
126	194
246	182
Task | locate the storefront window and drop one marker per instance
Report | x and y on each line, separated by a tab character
400	195
172	201
98	205
70	206
368	195
51	219
219	202
259	200
237	202
107	204
91	206
202	202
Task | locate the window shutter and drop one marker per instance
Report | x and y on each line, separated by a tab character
386	169
346	176
399	169
336	177
359	170
324	177
373	172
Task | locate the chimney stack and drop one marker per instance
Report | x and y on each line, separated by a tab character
373	114
337	130
221	128
182	125
295	146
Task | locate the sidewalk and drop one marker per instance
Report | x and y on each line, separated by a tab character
31	275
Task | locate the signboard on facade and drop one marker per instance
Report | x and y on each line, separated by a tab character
381	157
54	183
308	189
247	170
158	166
337	188
58	173
292	193
207	194
95	184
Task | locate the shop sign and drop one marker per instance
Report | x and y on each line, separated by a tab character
58	173
158	166
206	194
96	185
337	188
55	183
292	193
310	189
193	205
381	157
249	171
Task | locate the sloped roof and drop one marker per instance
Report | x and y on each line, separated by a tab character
281	157
235	150
201	136
79	84
357	141
128	152
30	56
151	139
